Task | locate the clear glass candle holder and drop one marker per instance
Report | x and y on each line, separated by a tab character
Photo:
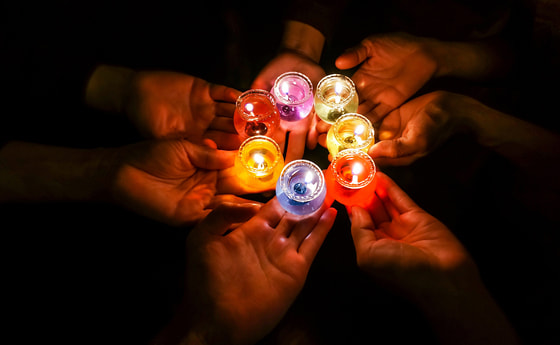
293	93
255	114
301	187
351	177
350	131
336	95
259	162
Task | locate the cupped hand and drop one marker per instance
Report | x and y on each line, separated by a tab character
174	105
394	67
418	127
407	249
173	181
242	279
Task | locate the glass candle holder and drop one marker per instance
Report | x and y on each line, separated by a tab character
255	114
350	131
351	177
301	187
293	93
259	162
336	95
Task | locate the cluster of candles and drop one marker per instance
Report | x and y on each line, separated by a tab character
301	186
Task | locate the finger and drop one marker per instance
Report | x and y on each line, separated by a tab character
322	127
394	152
222	93
393	196
366	108
351	57
220	220
312	134
312	242
380	111
225	141
225	109
208	158
296	146
224	124
219	199
272	213
362	228
377	210
304	225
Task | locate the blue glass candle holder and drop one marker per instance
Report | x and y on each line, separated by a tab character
301	188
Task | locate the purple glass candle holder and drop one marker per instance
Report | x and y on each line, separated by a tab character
293	92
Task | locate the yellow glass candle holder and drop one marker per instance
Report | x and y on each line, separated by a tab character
350	131
259	163
336	95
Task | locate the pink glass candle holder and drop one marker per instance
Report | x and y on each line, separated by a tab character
255	114
351	178
301	187
293	92
259	162
336	95
350	131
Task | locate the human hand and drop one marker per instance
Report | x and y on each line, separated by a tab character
174	105
241	279
172	181
395	66
407	249
419	126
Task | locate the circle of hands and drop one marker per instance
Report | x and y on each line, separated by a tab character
185	178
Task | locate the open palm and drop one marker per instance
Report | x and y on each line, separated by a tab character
243	282
394	68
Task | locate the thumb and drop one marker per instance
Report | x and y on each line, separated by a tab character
207	157
362	228
221	219
351	57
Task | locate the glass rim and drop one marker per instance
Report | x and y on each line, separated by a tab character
339	122
276	87
247	116
254	138
343	182
288	168
344	101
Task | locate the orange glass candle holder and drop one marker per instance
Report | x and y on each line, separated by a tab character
255	114
350	131
351	178
259	163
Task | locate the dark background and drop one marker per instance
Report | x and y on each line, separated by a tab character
94	273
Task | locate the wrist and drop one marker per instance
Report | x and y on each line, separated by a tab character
109	88
303	39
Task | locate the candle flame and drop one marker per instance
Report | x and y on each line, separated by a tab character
357	168
249	107
259	161
338	88
285	88
359	130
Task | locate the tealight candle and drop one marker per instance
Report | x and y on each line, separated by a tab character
259	162
351	177
350	131
293	92
301	187
336	95
255	114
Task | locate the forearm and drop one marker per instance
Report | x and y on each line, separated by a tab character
470	60
470	316
109	88
33	172
303	39
535	150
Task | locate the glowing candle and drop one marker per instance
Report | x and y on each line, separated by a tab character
336	95
293	92
351	177
301	187
259	162
255	114
350	131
